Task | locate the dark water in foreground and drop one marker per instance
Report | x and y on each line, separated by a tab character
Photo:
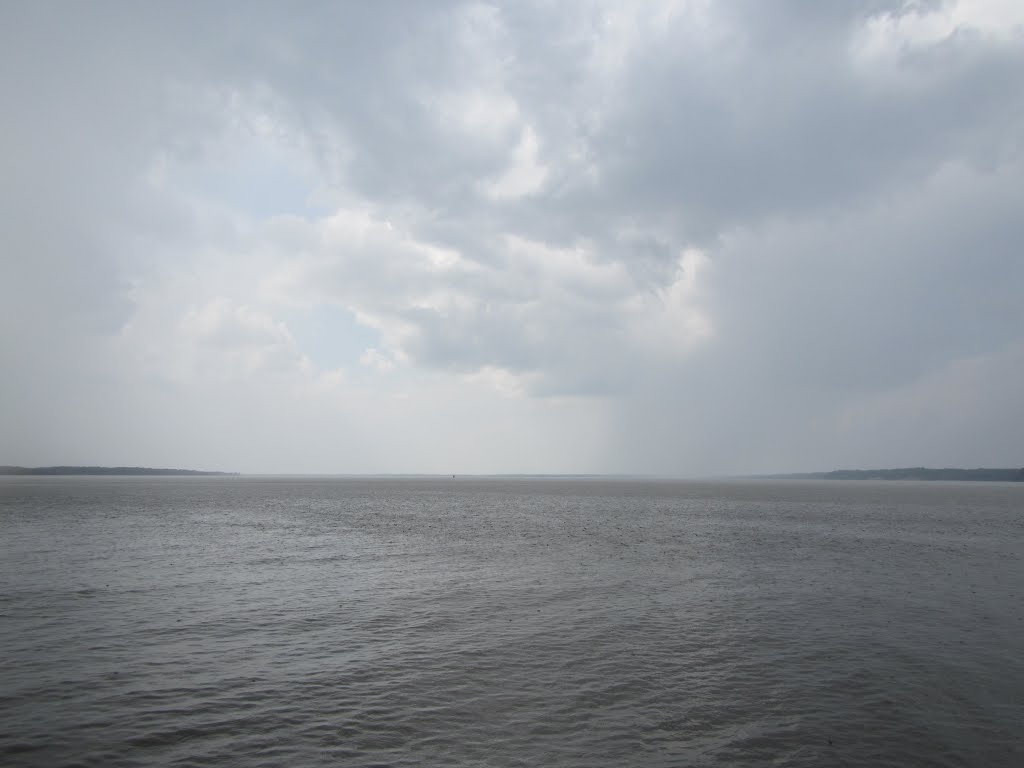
302	622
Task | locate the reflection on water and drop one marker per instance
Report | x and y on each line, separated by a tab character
270	621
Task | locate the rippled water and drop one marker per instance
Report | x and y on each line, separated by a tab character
284	621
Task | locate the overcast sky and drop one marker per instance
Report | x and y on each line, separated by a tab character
666	237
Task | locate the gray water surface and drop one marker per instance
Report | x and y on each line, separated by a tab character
493	622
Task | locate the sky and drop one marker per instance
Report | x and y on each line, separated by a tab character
677	237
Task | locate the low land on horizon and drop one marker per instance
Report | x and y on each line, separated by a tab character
68	470
908	473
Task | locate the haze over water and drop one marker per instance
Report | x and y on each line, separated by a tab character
526	622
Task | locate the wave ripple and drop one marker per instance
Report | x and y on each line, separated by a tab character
268	621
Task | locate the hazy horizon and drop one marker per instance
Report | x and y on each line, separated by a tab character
678	239
811	474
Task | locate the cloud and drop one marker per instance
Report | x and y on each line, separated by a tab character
686	237
241	340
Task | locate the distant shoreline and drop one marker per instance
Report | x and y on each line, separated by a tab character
108	471
908	473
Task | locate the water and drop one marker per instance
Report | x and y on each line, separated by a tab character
284	621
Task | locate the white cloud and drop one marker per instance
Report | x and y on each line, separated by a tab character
918	25
477	113
525	174
374	358
239	340
672	321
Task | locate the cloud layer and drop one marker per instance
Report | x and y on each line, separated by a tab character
675	238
